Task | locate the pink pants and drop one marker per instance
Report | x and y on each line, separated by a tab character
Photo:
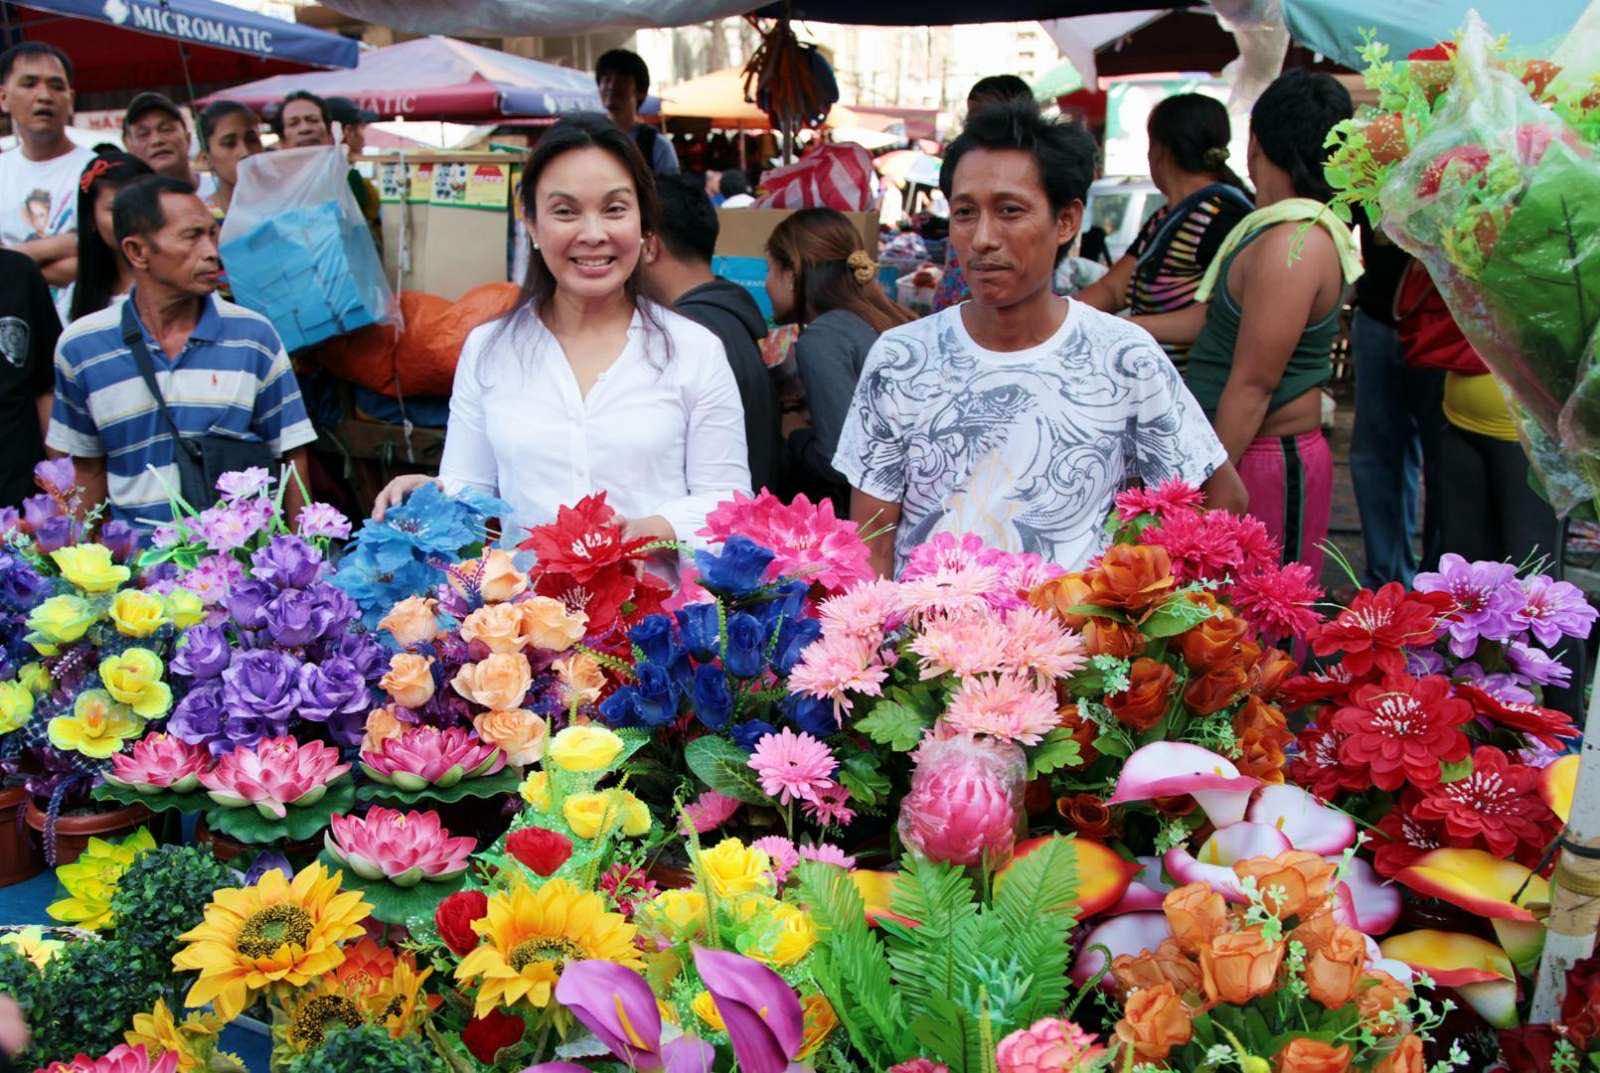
1290	481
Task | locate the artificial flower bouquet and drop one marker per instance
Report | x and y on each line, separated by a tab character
57	516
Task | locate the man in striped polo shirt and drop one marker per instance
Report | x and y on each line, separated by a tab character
222	368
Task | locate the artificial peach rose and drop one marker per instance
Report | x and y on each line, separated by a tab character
498	627
1333	972
1214	643
1196	914
1083	731
1215	690
1406	1058
1148	696
1240	966
1060	594
1376	994
1294	883
409	681
519	733
581	679
1102	637
1311	1056
1132	576
499	579
1155	1020
1315	930
1272	670
412	621
1166	964
1087	814
1260	757
499	681
382	724
549	625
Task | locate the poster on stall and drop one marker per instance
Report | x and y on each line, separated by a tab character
467	185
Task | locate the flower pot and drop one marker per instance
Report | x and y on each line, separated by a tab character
241	854
19	860
73	832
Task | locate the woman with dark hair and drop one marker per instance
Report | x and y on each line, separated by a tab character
588	386
1161	271
103	272
229	132
820	276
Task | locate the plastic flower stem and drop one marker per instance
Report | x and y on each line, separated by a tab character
700	879
985	1030
1331	550
1090	984
448	1053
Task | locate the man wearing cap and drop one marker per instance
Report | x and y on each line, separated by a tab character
305	119
155	131
354	119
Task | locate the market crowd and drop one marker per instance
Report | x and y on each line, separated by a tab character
1014	411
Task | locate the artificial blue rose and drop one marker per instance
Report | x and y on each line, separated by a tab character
746	735
747	642
793	637
698	624
654	637
810	715
713	703
738	571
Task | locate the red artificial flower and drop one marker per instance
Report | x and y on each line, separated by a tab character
454	916
628	887
1378	626
1317	766
1333	684
1544	725
1580	1009
1444	50
1405	837
1277	600
1469	160
1202	546
492	1033
1168	496
1402	729
1529	1049
1497	807
582	541
540	848
601	596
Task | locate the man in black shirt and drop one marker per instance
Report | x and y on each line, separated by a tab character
28	331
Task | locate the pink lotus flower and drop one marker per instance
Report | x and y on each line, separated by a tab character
427	756
1049	1045
275	774
120	1059
965	800
160	762
403	847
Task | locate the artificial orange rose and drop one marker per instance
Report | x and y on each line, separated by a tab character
1334	971
1240	966
499	681
1174	808
1215	690
1064	592
1260	758
412	621
1148	696
1257	718
1406	1058
549	625
581	679
1272	670
409	680
1214	643
1166	964
382	724
1196	914
1132	576
518	733
1311	1056
1376	994
1083	731
498	578
498	627
1102	637
1155	1020
1294	883
1087	814
1315	930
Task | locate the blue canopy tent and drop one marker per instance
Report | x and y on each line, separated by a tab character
118	44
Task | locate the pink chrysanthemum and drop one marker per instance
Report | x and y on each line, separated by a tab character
710	810
1201	547
1170	495
1036	644
837	665
1003	706
807	540
792	767
827	853
865	611
831	808
1049	1045
1278	601
950	591
961	644
1257	548
1010	574
784	855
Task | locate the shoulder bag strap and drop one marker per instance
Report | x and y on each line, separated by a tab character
133	336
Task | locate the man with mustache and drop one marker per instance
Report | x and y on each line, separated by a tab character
1017	415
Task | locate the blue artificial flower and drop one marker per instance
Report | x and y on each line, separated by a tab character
432	522
658	698
746	735
810	715
654	638
621	709
793	637
747	642
681	671
713	703
738	571
698	624
788	602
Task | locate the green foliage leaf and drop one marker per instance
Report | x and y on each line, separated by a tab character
860	774
928	958
894	724
1455	770
249	826
1035	909
725	768
162	801
392	904
504	781
1176	615
1059	749
1113	745
950	1034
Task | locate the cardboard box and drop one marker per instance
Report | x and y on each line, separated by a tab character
447	219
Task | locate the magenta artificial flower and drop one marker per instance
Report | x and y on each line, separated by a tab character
616	1004
965	800
827	853
404	848
793	767
807	540
1278	601
760	1011
273	775
784	854
1172	494
1049	1045
1014	573
710	810
1003	706
1485	597
425	756
322	520
120	1059
1532	664
831	807
1553	609
866	611
160	762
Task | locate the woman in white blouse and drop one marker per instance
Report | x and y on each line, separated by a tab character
588	386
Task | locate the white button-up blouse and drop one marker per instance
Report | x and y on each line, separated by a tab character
661	431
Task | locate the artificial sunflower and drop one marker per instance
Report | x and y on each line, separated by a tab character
193	1039
530	934
278	931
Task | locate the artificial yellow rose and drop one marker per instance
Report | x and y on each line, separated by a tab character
97	726
601	811
36	678
679	913
535	790
60	620
16	706
89	567
137	614
133	677
586	747
791	938
705	1008
732	868
184	608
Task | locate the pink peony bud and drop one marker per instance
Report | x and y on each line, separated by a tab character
1049	1045
965	802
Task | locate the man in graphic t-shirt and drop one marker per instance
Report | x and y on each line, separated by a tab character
1018	415
39	178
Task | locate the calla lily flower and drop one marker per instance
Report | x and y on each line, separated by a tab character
1103	874
1308	823
1477	969
1214	864
1557	783
1364	901
1174	768
1147	892
1131	934
760	1011
616	1004
1505	892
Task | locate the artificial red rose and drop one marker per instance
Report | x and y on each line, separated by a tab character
490	1034
1148	696
1537	76
1132	576
1214	643
454	916
1529	1049
1496	806
539	848
1037	797
1087	814
1432	69
1580	1009
1377	628
1402	729
1215	690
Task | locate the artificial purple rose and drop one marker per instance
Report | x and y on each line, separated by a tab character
287	562
249	727
267	861
10	520
1536	665
121	538
369	657
248	603
57	532
199	715
204	653
335	686
264	684
296	617
56	475
38	509
20	585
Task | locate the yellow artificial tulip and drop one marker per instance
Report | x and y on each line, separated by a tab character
89	567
